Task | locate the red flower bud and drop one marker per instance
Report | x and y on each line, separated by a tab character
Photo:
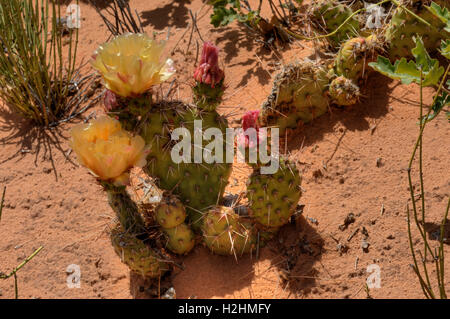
209	72
250	121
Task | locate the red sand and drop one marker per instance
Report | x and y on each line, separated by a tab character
55	203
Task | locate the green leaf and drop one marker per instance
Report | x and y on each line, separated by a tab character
222	16
441	101
421	55
426	68
442	13
445	48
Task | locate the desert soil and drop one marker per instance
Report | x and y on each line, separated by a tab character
53	202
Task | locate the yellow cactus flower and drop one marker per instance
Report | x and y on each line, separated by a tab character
107	150
130	64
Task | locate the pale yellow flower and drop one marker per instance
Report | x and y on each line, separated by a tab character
107	150
130	64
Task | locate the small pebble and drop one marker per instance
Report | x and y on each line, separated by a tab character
379	163
169	294
365	246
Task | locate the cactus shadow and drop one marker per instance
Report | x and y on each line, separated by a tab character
173	14
299	248
286	264
240	42
144	288
360	117
207	275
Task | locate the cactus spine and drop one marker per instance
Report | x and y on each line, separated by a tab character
225	233
328	15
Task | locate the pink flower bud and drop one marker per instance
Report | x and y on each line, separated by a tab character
110	101
250	121
209	72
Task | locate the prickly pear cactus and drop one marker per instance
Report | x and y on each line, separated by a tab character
404	26
343	91
180	239
328	15
199	185
354	56
273	198
138	256
299	95
226	234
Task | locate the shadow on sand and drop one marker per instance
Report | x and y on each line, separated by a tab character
173	14
40	141
293	252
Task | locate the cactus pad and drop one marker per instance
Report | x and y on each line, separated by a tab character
343	91
328	15
198	185
298	96
274	197
138	256
404	26
354	56
225	233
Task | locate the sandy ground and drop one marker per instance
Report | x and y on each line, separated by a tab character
54	203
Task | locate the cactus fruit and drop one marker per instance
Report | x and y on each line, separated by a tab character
225	233
343	91
298	96
199	185
274	197
165	209
130	64
138	256
354	56
328	15
180	239
209	79
404	26
170	212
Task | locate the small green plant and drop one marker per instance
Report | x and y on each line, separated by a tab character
227	11
38	73
425	72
